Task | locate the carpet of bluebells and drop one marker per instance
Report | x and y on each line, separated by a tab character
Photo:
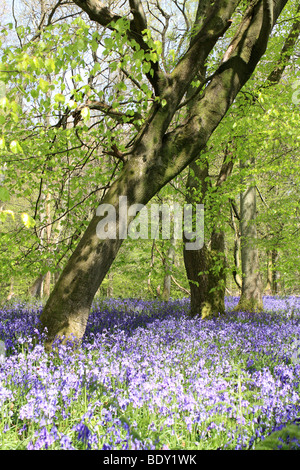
146	376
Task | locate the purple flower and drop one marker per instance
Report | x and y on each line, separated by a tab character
83	433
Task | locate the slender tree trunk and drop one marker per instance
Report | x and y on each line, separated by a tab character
276	285
47	281
251	295
151	268
268	289
109	290
36	289
11	290
159	154
236	250
169	261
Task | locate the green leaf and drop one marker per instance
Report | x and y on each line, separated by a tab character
80	44
4	103
34	93
94	45
109	43
59	98
2	143
44	86
27	220
146	67
4	194
15	147
50	65
4	214
85	113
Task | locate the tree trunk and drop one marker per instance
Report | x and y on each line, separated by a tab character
275	273
169	261
251	295
268	289
47	280
206	275
47	284
11	290
205	267
236	248
36	290
109	290
159	154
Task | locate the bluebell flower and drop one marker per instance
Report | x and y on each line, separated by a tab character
83	433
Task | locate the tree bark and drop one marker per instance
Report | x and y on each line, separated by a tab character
268	289
109	290
11	290
169	261
157	156
206	267
251	295
208	285
47	280
275	273
236	247
36	289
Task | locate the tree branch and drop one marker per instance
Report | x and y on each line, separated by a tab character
98	12
227	166
208	110
139	19
109	110
286	51
183	289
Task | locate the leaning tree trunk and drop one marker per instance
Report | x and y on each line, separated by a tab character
157	156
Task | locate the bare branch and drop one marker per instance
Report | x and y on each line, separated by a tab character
15	20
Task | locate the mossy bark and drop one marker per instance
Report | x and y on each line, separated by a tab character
205	267
207	284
